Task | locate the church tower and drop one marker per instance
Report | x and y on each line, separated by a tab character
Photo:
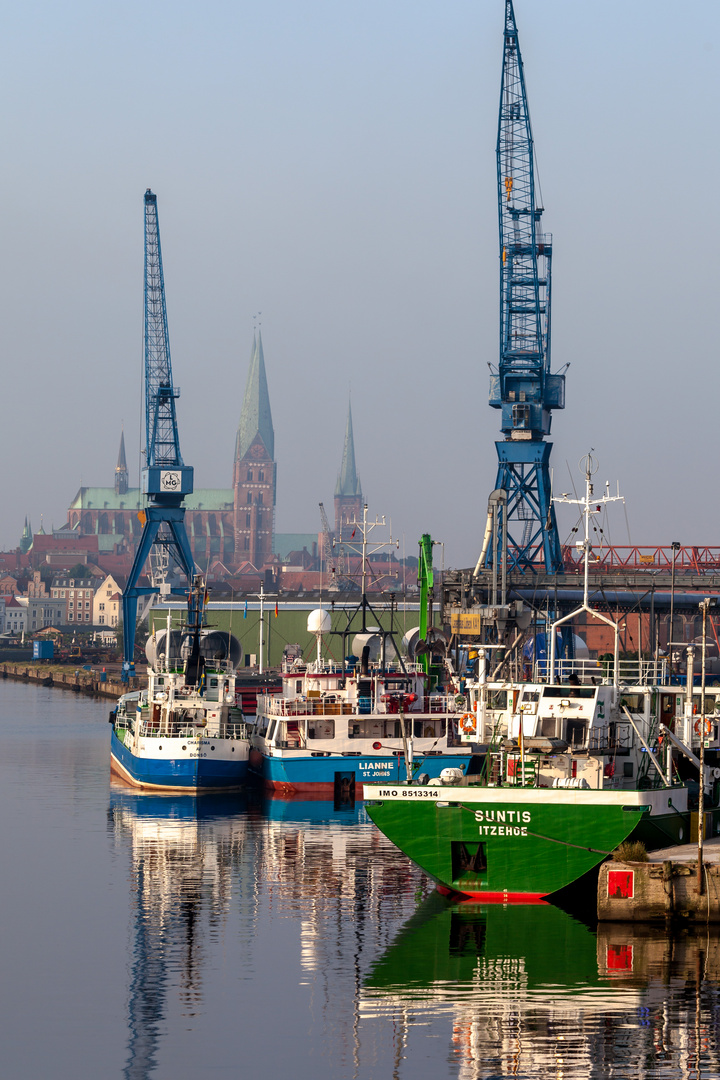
254	471
121	471
348	493
27	538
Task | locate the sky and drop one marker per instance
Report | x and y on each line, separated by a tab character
332	167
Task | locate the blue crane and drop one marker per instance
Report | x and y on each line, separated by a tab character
166	480
522	386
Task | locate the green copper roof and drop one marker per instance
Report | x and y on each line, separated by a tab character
105	498
348	482
255	416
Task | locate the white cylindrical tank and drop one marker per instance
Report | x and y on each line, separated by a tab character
155	646
409	641
374	641
318	621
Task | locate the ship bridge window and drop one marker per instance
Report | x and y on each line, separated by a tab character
576	732
548	727
321	728
271	729
569	691
497	699
634	702
712	704
428	729
531	695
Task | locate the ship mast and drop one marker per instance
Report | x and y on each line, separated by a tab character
591	508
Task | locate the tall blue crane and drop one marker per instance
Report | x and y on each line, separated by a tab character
522	386
166	480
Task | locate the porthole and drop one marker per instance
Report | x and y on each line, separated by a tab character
159	747
184	747
212	747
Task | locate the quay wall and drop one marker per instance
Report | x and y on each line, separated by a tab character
78	681
658	892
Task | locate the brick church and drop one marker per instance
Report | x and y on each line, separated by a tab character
231	526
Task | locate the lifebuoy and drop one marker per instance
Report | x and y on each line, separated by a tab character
708	726
467	723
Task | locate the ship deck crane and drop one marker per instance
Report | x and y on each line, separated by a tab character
522	386
166	480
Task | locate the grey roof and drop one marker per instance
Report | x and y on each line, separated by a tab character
255	416
348	482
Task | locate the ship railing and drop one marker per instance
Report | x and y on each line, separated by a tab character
601	672
608	738
148	729
429	705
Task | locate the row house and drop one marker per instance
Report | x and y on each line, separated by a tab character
42	612
8	585
107	609
76	597
15	616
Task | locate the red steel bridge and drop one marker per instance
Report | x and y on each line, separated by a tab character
638	557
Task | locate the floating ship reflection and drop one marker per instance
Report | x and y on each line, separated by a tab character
186	853
532	991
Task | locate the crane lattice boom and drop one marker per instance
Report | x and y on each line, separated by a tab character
522	386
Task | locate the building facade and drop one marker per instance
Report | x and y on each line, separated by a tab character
254	471
107	609
233	524
75	596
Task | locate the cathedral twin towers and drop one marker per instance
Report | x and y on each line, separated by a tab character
235	527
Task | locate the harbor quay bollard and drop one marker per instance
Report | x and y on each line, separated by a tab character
658	892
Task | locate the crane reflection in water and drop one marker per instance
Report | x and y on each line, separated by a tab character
186	854
495	991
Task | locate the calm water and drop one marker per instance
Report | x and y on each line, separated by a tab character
163	937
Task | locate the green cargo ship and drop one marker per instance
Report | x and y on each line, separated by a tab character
520	844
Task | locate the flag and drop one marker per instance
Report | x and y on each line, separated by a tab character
245	611
276	610
352	535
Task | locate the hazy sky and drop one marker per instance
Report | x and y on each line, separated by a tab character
332	165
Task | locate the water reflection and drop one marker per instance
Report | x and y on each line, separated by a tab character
533	992
185	854
466	990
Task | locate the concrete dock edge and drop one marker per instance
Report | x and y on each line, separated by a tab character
658	892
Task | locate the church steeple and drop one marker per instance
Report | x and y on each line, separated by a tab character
255	415
348	481
254	471
121	471
27	538
348	493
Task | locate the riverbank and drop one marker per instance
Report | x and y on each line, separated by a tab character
77	680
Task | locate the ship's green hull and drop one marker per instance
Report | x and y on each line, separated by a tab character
516	845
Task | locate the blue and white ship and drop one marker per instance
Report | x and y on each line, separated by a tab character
184	731
335	727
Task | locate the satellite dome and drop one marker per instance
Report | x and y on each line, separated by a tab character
318	621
